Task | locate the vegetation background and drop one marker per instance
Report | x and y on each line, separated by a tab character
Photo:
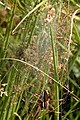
39	60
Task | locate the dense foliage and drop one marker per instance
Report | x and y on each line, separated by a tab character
39	59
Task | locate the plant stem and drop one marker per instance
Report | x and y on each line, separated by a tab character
56	86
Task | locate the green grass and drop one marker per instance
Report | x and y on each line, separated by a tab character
39	51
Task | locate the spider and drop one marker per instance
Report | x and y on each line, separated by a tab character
44	102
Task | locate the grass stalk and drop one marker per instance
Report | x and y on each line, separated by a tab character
55	64
8	31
